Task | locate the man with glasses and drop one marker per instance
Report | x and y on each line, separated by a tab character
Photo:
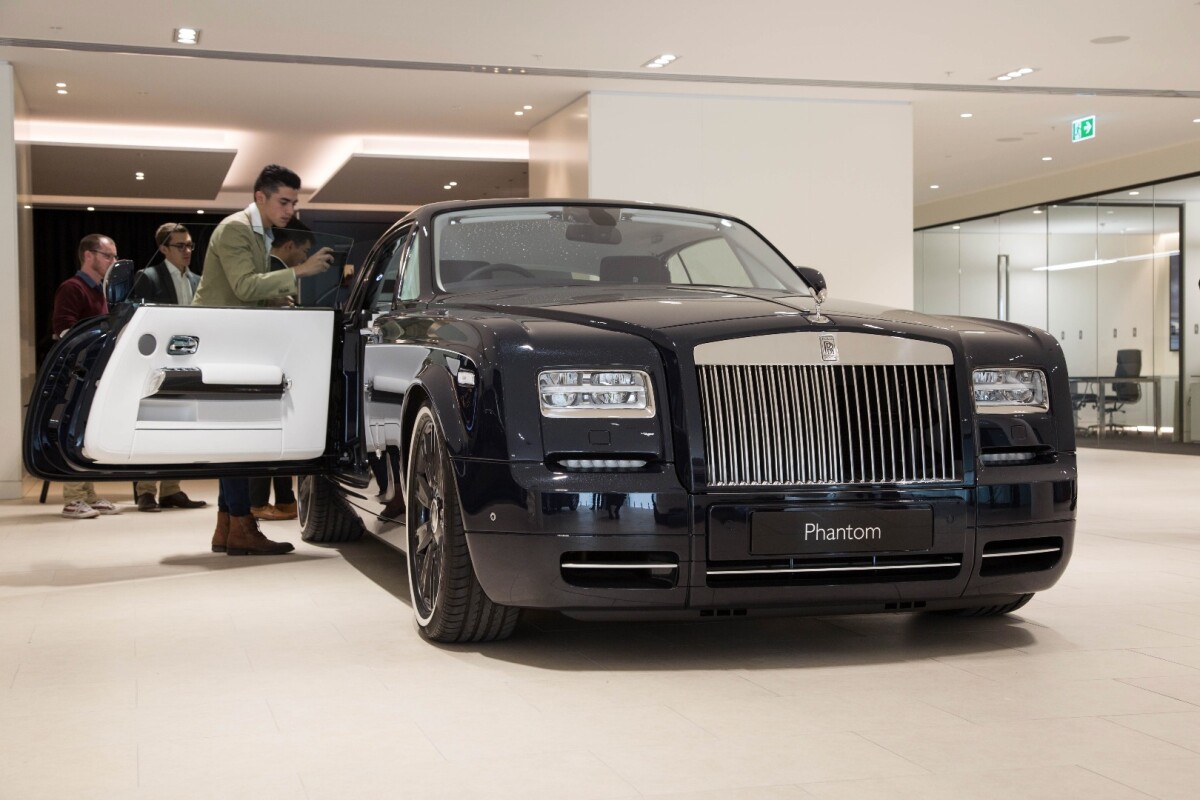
171	282
77	298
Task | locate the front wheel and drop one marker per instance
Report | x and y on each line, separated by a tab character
448	602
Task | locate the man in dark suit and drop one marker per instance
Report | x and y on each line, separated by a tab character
169	282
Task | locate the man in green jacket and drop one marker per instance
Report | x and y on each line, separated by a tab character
237	273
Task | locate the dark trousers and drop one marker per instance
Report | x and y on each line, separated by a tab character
234	496
260	490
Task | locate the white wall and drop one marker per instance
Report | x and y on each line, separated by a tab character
558	153
11	339
829	183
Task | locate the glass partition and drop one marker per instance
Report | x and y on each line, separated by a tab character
1107	276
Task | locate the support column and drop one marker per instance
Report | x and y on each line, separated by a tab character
16	291
828	182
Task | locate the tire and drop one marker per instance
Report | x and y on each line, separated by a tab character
448	602
990	611
325	515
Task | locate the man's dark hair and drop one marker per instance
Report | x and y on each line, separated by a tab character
296	232
273	176
165	230
90	242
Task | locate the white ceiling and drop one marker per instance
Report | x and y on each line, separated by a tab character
334	89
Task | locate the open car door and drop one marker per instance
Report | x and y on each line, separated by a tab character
184	391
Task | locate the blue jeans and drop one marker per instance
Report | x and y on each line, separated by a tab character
234	496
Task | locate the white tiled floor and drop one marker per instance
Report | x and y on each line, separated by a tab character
135	663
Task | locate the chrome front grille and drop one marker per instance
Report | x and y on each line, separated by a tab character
798	424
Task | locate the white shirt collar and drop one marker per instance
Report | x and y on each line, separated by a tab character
256	224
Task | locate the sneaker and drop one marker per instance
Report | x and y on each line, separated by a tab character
78	509
104	507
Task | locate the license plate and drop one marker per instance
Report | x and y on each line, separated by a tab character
840	530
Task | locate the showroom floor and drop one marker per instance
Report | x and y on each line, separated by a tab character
135	663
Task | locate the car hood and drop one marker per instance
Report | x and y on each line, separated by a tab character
673	310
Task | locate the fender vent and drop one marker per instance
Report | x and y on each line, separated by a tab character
620	569
1014	556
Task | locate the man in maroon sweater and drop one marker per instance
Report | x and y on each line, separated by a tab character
77	298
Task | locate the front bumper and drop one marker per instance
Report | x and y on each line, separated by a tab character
613	542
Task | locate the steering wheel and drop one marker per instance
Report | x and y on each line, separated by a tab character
488	270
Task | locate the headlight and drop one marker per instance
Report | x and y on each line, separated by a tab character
595	393
1010	391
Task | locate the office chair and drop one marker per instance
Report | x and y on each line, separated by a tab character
1129	365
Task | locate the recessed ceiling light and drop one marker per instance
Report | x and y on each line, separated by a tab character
91	208
1134	193
934	186
660	62
62	91
186	36
1047	158
527	108
29	206
199	210
519	113
956	227
1016	73
453	183
1037	211
1197	119
60	85
447	186
966	115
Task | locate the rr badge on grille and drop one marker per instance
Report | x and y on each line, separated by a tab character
829	351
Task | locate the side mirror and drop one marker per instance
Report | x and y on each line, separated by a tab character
816	280
118	281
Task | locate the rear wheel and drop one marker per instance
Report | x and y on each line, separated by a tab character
448	602
325	515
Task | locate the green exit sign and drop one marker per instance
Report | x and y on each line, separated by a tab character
1083	129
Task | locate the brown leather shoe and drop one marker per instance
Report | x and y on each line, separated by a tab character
288	509
269	513
221	534
245	539
180	500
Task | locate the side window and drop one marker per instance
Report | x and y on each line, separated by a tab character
410	283
381	287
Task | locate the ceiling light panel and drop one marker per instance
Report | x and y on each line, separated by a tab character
186	36
1012	75
665	60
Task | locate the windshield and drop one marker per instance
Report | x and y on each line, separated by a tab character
478	249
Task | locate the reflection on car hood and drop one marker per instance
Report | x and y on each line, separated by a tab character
665	307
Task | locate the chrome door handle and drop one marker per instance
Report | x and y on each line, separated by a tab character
183	345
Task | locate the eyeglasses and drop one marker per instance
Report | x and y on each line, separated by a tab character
113	256
183	246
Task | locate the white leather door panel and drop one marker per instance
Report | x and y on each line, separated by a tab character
188	384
